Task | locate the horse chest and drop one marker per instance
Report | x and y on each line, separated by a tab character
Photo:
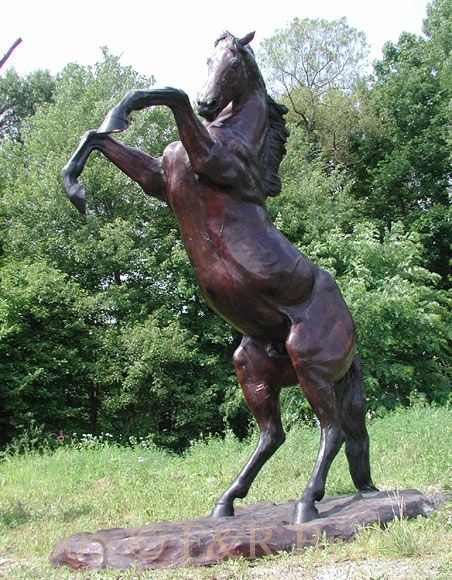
199	208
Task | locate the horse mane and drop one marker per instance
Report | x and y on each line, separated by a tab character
274	148
277	133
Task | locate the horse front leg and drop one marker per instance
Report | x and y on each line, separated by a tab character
74	167
117	119
203	151
143	168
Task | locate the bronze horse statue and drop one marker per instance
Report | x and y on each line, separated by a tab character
296	326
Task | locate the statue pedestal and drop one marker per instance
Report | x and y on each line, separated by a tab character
257	530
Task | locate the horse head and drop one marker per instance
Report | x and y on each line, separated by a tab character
229	71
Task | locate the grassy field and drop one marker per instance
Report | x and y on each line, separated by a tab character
97	484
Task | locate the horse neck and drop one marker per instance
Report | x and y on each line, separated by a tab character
250	115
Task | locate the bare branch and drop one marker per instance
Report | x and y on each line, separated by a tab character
10	51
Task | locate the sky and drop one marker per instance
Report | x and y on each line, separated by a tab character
171	39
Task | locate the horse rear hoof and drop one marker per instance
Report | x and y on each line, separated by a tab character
222	510
368	488
304	512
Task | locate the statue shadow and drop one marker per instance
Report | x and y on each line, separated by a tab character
349	500
346	500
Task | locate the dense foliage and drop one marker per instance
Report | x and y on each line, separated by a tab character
102	327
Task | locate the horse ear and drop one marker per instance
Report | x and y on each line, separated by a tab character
247	39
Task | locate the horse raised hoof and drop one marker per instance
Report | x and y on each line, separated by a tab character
77	197
305	512
74	189
222	510
114	122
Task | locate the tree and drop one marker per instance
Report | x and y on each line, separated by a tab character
45	348
403	141
124	259
438	31
20	98
402	318
307	59
102	326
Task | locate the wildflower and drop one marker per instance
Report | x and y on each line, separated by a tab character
140	459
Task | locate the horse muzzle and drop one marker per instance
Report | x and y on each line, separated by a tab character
209	109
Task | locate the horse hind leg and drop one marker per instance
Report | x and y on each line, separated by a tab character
352	410
319	391
261	377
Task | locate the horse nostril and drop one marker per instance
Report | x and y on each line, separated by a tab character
207	104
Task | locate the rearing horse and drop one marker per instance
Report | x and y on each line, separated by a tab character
296	326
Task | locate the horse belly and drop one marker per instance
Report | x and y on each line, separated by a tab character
241	304
271	264
250	279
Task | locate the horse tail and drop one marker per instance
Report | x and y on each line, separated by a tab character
352	416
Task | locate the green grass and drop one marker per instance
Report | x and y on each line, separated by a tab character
44	497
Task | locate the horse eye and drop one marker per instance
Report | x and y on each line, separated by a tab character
235	64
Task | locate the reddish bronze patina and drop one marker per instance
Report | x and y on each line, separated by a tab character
296	326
